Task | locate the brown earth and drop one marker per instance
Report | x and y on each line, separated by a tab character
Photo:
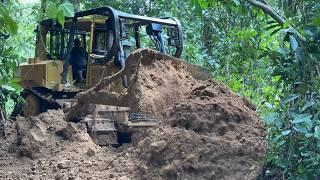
211	134
48	147
205	132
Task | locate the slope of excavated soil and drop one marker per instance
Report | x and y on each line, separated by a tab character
205	132
48	147
211	134
158	86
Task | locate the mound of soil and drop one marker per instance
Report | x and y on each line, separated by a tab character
212	109
205	132
211	134
159	86
48	147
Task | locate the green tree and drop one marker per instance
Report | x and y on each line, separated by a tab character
293	54
9	89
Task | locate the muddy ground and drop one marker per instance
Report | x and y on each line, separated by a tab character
205	131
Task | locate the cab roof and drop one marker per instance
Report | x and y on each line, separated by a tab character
83	23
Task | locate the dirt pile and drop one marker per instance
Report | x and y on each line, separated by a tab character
45	134
48	147
205	132
211	134
211	108
158	86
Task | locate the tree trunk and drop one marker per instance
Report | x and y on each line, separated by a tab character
267	9
207	35
2	123
42	8
76	5
40	47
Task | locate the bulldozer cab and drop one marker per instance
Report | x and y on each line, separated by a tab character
106	35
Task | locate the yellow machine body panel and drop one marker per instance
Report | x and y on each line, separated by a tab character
43	74
95	72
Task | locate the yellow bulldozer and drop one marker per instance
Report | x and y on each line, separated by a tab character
107	37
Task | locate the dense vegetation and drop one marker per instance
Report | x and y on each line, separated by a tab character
8	60
266	51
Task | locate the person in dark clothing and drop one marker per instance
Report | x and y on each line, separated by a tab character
79	58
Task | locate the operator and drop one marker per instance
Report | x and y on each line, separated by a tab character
79	58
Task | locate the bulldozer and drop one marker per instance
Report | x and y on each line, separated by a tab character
108	36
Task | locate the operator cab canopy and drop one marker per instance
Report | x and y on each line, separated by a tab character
110	31
125	28
56	37
85	23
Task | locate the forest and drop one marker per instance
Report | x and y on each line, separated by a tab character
264	50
